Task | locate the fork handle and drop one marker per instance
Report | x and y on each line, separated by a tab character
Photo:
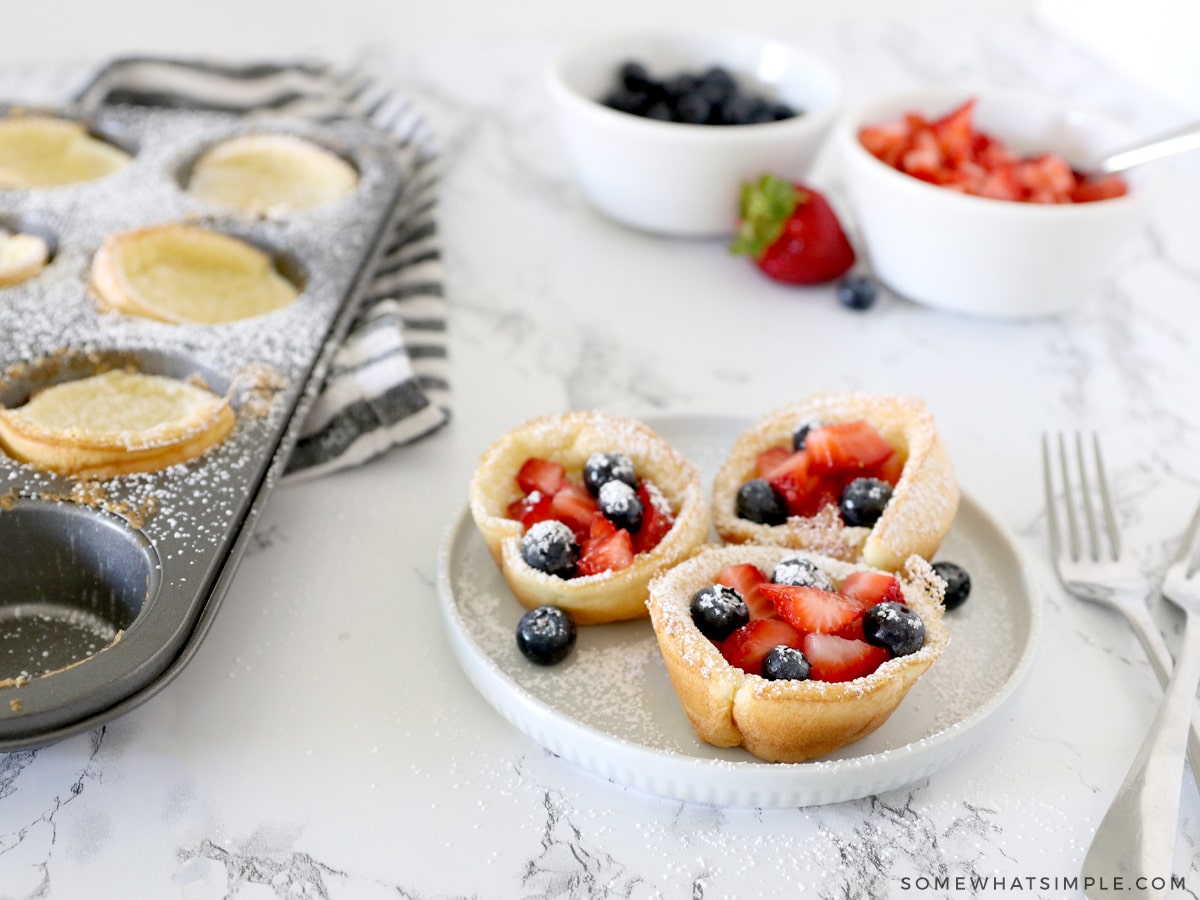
1162	664
1138	833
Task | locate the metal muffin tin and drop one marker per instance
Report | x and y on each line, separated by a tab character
107	587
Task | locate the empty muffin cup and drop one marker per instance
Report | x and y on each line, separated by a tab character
75	580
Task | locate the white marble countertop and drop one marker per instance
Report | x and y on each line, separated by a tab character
325	743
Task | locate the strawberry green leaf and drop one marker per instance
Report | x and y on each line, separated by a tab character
764	210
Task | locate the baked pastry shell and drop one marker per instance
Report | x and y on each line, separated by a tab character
270	173
924	500
782	721
569	439
116	289
85	453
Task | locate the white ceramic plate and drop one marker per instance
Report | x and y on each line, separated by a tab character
610	708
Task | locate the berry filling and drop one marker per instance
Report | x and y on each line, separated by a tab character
801	625
598	526
847	465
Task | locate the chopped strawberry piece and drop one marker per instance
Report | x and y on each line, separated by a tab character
924	159
846	446
948	151
889	470
540	475
834	658
575	507
1100	189
657	517
771	458
606	548
805	491
533	507
887	142
1045	178
870	588
748	646
853	631
955	133
812	609
745	579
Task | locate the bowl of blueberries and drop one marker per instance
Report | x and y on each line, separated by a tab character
662	129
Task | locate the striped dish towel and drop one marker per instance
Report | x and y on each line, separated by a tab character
387	384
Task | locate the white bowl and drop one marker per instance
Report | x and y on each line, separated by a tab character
678	179
990	257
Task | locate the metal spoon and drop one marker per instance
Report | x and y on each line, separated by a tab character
1186	138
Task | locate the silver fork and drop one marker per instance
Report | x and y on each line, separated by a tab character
1138	833
1102	572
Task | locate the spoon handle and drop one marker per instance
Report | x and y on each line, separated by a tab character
1186	138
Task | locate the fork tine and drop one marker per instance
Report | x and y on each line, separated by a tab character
1072	527
1189	546
1086	502
1048	481
1114	533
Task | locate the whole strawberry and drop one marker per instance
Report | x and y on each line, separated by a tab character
791	232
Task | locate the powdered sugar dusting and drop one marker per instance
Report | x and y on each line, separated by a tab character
51	328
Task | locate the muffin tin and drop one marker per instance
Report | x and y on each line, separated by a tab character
109	585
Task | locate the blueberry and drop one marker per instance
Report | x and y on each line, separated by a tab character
719	611
660	110
601	468
620	505
864	500
785	664
800	435
625	101
781	111
718	79
894	627
802	573
761	112
634	77
693	109
680	86
546	635
958	583
758	501
549	546
857	292
737	110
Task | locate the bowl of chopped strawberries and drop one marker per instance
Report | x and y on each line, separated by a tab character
974	202
662	129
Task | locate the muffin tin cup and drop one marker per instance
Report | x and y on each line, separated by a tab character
149	556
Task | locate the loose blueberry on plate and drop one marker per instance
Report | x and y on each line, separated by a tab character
549	546
894	627
718	611
857	292
958	583
802	573
602	468
863	501
759	501
546	635
785	664
620	505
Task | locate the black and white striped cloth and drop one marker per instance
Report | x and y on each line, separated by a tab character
387	385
